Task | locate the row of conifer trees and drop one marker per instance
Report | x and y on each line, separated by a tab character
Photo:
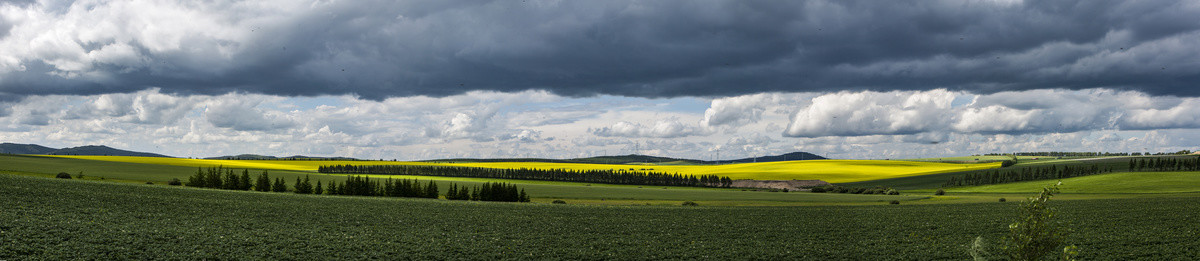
1024	174
1165	164
607	176
225	178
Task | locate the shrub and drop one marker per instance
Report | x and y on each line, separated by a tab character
149	183
690	204
1036	234
63	175
174	182
939	192
894	202
892	192
1003	200
559	201
1008	163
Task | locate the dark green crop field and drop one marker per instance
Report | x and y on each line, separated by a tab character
54	219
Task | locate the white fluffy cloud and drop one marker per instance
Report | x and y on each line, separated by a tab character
1037	111
869	113
660	129
540	124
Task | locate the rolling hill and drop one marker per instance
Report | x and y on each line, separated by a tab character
13	148
90	150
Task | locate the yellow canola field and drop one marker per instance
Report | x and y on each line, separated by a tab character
833	171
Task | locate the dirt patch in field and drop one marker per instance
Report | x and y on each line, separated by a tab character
791	185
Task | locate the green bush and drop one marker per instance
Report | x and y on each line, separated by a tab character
1036	234
174	182
894	202
690	204
1003	200
63	175
939	192
1008	163
559	201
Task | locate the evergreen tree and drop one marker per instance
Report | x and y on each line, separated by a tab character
279	185
318	189
431	190
212	178
198	179
264	182
245	180
231	180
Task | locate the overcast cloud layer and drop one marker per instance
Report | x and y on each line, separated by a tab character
849	124
381	49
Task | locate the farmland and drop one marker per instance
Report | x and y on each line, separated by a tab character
834	171
541	191
72	219
1125	182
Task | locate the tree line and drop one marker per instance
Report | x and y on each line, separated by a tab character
609	176
1087	154
1024	174
225	178
1165	164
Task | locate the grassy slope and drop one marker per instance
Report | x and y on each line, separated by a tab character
1127	182
70	219
543	191
934	181
835	171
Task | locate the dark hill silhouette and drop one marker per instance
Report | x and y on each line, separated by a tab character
634	158
265	157
13	148
90	150
799	155
101	150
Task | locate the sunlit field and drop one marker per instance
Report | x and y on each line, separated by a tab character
833	171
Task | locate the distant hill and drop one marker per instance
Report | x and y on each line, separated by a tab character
101	150
90	150
800	155
264	157
13	148
626	159
634	158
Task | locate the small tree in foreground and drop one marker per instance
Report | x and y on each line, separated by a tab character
1036	233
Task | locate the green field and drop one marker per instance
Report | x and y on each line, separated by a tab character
1126	182
540	191
834	171
934	181
43	218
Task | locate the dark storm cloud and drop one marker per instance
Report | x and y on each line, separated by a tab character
655	49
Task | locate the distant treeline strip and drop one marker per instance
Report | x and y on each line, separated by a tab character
1024	174
1165	164
621	176
1068	171
1083	154
224	178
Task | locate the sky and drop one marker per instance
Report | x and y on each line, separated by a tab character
414	80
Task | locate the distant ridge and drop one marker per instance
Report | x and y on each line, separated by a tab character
264	157
13	148
800	155
101	150
634	158
90	150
